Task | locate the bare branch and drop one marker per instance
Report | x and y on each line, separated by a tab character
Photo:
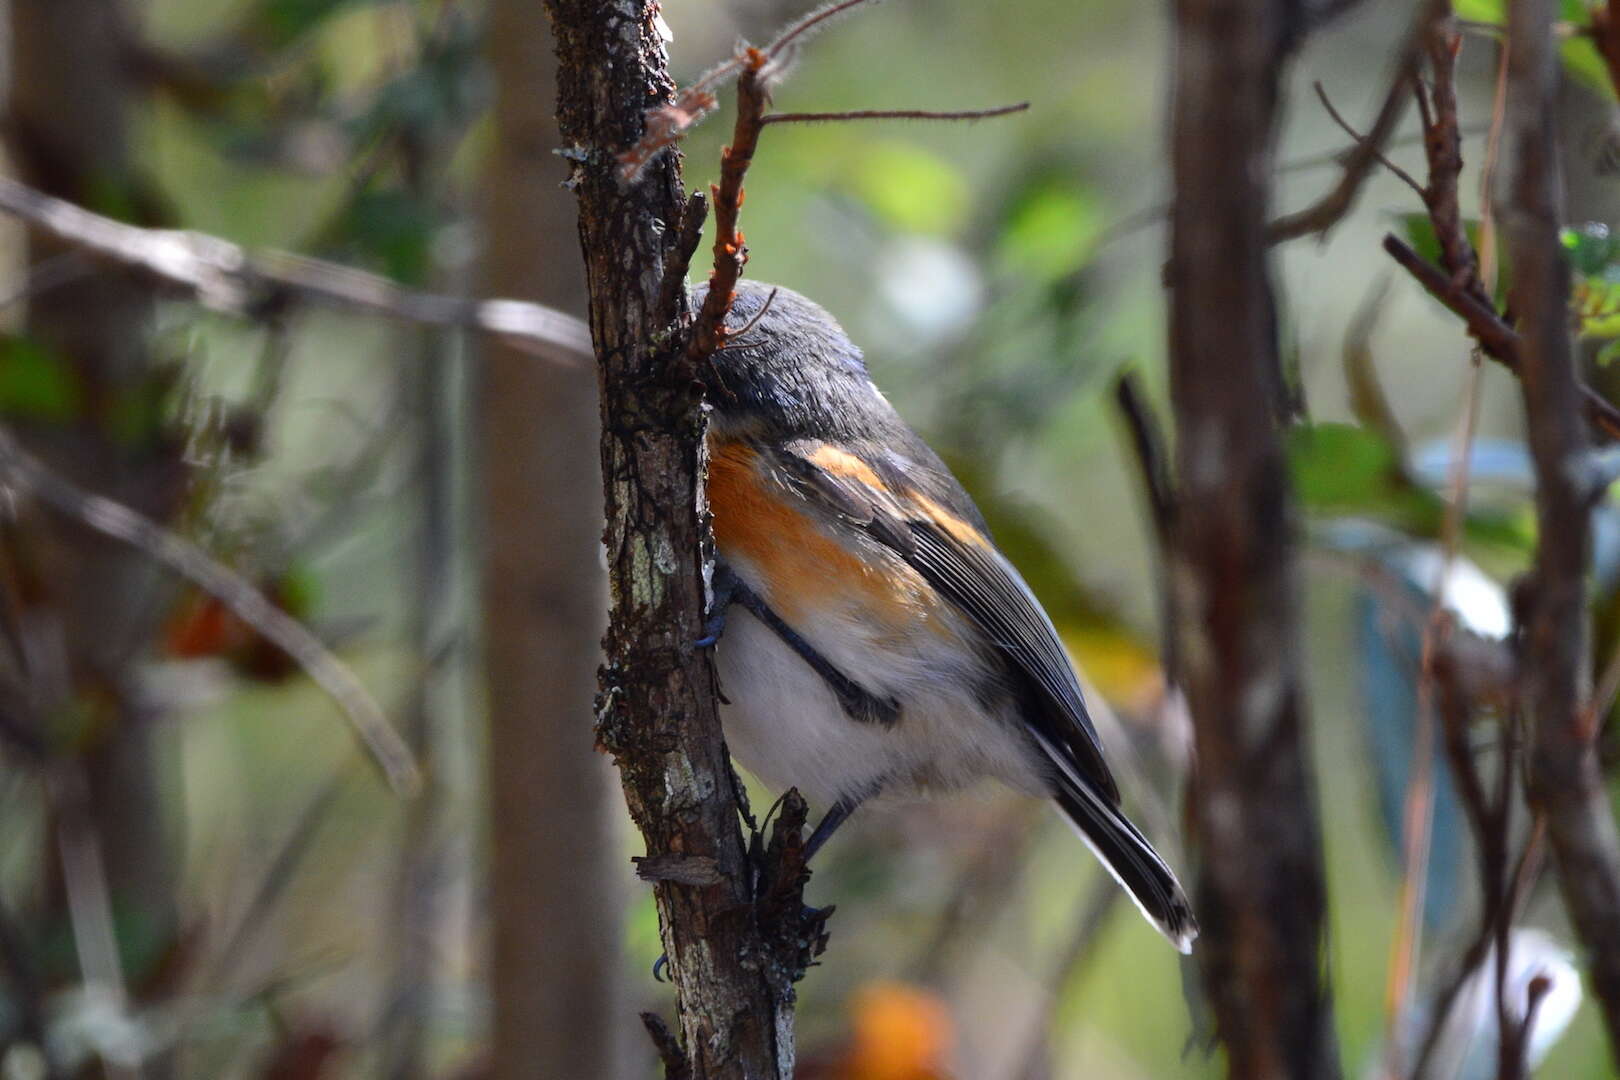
1442	143
1498	340
226	277
1565	781
1344	126
709	331
1152	458
741	332
817	20
893	114
1368	150
194	564
1261	893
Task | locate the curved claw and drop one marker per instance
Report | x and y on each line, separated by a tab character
659	967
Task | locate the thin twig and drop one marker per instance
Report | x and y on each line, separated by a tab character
735	336
1152	457
730	252
893	114
89	899
1368	150
227	277
277	875
51	273
194	564
1364	140
1443	146
1153	465
1498	340
817	18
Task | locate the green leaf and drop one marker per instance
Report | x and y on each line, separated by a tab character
1421	236
911	188
298	590
1590	247
1606	355
36	384
1051	231
1578	12
1486	11
1340	467
1594	254
1585	64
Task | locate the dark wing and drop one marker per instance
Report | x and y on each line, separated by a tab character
951	552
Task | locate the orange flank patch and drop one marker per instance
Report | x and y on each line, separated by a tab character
842	463
804	567
962	531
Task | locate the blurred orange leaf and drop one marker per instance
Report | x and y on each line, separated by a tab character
900	1033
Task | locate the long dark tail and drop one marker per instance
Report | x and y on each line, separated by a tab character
1128	856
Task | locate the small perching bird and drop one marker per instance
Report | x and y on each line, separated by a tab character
888	646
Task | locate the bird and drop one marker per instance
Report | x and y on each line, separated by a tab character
869	637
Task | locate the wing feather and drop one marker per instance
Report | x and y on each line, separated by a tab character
962	564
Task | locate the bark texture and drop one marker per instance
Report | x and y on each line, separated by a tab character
1566	781
558	874
1261	895
657	712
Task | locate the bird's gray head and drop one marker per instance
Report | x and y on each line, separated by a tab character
793	373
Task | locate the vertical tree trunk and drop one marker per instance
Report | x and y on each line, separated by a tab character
657	712
558	872
68	136
1565	780
1261	896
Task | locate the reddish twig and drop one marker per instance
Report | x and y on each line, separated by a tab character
1496	338
816	20
742	331
730	251
1442	142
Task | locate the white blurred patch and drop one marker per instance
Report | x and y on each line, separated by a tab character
932	289
1467	1046
1479	603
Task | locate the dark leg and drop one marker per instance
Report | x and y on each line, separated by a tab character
726	585
839	813
856	702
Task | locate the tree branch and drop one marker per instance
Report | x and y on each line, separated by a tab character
226	277
26	474
1565	781
1368	151
1261	894
730	252
657	710
1496	338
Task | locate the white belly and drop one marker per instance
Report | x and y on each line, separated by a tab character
785	725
